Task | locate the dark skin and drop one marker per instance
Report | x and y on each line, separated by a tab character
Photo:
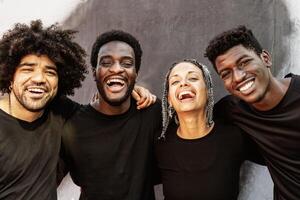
247	76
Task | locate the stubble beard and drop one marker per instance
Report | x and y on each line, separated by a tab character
116	102
31	105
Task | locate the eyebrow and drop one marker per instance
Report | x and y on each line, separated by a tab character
109	56
176	75
241	58
51	67
27	64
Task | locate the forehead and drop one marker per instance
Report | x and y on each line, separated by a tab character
116	49
235	53
37	59
183	68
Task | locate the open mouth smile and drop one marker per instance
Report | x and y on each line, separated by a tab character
246	86
36	92
186	94
115	84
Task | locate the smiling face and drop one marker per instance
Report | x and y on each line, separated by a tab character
115	73
245	74
34	84
187	89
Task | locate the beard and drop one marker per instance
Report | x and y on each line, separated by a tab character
32	105
118	101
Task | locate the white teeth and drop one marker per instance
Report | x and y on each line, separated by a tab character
246	86
36	90
110	81
181	94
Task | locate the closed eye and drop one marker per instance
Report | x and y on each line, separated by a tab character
26	68
193	79
174	82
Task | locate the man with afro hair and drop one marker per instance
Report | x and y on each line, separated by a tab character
37	65
265	107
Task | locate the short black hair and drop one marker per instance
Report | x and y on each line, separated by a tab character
228	39
117	35
52	41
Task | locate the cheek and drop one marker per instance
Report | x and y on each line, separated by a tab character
171	96
227	84
53	82
132	74
99	73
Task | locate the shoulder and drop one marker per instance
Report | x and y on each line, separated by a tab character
295	81
224	107
154	108
64	107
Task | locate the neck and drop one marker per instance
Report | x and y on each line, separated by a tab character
193	125
11	106
275	93
103	107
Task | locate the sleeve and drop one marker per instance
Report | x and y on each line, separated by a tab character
223	109
62	166
64	107
251	150
158	125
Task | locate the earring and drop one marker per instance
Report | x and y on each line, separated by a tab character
170	111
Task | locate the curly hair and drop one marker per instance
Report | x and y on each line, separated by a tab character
117	35
228	39
168	112
52	41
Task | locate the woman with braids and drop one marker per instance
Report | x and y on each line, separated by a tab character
199	157
37	65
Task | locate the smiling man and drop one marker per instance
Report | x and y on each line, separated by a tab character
35	68
265	107
108	144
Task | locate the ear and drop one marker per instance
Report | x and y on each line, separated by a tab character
266	58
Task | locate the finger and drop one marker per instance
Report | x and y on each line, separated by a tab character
135	95
153	99
144	96
145	103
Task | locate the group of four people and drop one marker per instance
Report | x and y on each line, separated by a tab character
112	149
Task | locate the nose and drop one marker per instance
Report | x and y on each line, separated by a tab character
116	68
38	76
238	74
183	82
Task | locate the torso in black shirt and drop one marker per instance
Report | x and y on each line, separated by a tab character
206	168
28	155
277	133
111	157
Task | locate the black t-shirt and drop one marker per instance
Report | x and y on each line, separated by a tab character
111	157
206	168
28	157
277	133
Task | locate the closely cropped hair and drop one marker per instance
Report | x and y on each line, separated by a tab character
52	41
228	39
168	112
117	35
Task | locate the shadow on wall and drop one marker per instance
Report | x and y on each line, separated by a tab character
174	29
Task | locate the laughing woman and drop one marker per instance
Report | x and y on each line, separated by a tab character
198	157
